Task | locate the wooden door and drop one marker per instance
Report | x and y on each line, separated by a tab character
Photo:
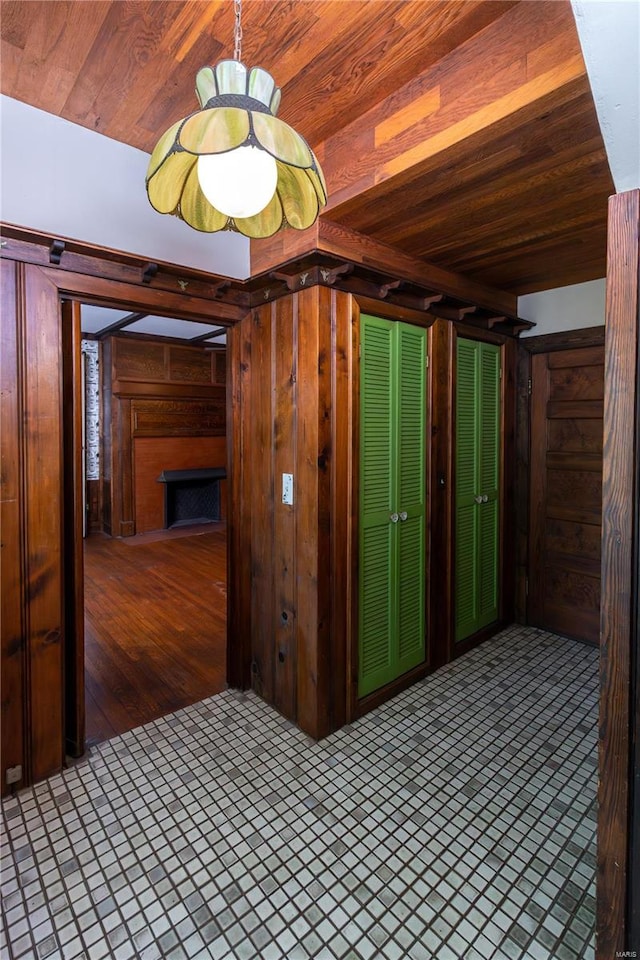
392	501
567	390
477	507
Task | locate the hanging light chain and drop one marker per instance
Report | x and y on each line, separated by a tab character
237	33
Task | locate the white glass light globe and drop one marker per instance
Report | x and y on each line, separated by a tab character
240	182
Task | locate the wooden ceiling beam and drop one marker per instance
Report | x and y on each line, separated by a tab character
120	324
273	253
341	242
524	58
349	246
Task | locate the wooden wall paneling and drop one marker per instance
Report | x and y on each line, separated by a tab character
106	445
306	488
149	361
537	486
139	360
261	498
442	487
122	480
42	486
94	506
189	364
342	499
13	674
618	862
72	513
522	467
239	642
219	365
354	612
284	371
179	418
329	671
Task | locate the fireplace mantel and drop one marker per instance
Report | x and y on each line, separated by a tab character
203	473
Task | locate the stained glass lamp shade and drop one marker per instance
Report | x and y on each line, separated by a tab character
233	165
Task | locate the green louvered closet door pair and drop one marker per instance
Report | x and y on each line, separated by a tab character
392	501
477	511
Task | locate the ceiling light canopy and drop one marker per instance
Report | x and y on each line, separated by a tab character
233	165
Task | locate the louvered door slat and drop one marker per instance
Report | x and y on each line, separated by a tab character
477	486
376	408
487	563
465	569
376	627
377	537
466	603
392	480
489	472
411	367
466	423
411	639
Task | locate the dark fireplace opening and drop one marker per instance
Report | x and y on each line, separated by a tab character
191	496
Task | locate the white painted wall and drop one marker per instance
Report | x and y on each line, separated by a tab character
609	32
60	178
565	308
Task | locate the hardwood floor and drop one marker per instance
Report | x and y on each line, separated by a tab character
155	626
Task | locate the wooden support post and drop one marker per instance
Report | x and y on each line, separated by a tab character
617	918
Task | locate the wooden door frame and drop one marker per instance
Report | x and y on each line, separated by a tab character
539	369
103	291
527	349
72	527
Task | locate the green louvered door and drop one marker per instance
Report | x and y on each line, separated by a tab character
477	486
392	501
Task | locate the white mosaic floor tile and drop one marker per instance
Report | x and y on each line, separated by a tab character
457	820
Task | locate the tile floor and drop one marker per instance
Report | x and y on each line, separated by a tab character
456	822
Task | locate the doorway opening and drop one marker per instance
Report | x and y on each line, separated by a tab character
144	400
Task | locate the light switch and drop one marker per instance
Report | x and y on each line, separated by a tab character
287	488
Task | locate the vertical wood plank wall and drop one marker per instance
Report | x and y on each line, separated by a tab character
32	540
291	384
12	675
441	510
618	862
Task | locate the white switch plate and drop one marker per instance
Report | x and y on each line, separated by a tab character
287	488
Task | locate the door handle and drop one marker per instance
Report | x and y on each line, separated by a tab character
478	499
404	516
394	517
485	498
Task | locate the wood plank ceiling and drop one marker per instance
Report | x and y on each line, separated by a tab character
463	133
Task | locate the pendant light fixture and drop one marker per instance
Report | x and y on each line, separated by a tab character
233	165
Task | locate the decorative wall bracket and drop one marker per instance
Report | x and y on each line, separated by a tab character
149	272
55	251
